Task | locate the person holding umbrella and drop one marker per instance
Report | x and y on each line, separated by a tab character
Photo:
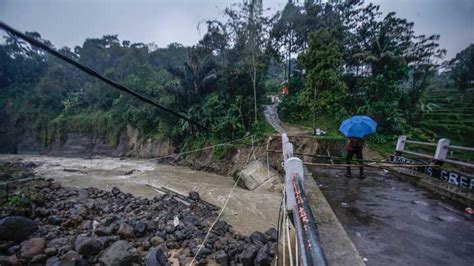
355	129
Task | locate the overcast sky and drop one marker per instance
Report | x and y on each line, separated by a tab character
69	22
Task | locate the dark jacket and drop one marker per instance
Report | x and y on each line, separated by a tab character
355	145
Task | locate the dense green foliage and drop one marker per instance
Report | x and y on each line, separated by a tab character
461	69
346	58
324	91
56	97
214	83
359	61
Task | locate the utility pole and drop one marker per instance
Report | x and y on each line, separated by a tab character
289	57
314	110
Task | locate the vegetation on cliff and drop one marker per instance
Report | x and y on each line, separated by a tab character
346	58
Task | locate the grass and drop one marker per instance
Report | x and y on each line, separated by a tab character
384	149
100	123
453	118
324	123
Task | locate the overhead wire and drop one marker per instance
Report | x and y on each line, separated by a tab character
200	149
223	207
37	43
279	230
329	157
368	165
288	239
94	73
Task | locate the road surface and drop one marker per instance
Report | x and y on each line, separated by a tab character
392	222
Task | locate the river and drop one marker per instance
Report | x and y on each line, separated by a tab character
246	211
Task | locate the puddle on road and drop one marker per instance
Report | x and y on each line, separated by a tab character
247	211
392	222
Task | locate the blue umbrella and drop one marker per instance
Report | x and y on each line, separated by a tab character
358	126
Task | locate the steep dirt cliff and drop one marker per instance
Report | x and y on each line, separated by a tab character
236	157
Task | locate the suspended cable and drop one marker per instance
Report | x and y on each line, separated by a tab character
223	207
369	165
93	73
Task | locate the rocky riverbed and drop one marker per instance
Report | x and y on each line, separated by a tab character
49	224
132	176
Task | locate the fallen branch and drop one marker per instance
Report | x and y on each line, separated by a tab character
180	197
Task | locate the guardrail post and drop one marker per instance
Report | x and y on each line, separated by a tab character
284	138
287	147
309	250
401	144
441	150
293	167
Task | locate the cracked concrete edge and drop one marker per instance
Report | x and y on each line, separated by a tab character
338	247
443	188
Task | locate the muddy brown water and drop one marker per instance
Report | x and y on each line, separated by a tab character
247	211
392	222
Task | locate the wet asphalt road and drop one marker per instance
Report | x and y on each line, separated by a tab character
393	222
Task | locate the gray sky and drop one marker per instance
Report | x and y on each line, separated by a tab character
69	22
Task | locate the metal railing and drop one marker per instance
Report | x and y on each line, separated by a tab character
441	152
309	250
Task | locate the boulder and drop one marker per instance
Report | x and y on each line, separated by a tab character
12	249
42	212
70	256
86	225
193	195
156	257
16	228
156	240
257	175
248	255
88	246
263	256
106	230
9	260
53	261
271	234
222	258
119	253
50	251
56	220
203	252
125	231
140	229
32	247
115	191
108	226
39	259
258	238
107	240
83	194
61	243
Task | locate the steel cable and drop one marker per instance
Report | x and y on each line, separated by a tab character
94	73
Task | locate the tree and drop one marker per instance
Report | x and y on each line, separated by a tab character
382	55
462	68
248	30
323	63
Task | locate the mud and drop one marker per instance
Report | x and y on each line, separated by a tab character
246	211
395	223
